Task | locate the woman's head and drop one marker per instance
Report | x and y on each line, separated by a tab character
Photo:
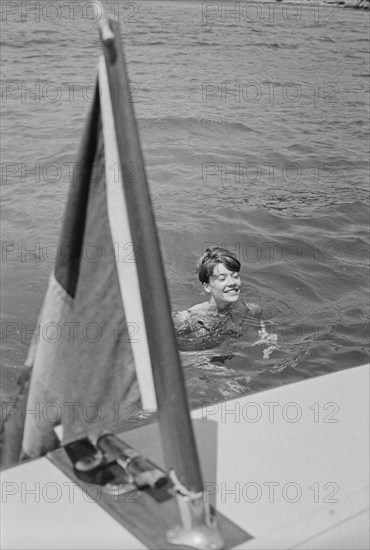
218	271
211	258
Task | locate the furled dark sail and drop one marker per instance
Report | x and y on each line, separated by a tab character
96	346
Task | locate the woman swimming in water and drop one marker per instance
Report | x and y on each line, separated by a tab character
220	316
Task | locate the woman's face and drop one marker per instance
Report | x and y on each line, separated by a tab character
223	286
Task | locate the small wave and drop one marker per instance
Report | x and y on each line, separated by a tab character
276	46
4	43
290	363
196	125
41	41
154	43
205	43
273	45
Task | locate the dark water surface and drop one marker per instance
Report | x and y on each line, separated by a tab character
254	131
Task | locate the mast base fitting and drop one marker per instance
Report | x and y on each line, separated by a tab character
198	529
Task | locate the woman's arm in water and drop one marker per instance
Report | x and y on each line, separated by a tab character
254	310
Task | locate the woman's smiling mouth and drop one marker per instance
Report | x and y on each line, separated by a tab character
231	291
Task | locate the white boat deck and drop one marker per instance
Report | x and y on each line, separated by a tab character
288	465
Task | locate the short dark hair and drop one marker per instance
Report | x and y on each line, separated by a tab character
211	258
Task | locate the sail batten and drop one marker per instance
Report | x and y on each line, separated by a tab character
124	249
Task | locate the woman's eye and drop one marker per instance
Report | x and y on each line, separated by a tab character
236	275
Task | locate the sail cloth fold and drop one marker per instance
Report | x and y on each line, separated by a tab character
90	355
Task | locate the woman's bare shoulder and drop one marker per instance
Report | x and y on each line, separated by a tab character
181	316
193	314
199	308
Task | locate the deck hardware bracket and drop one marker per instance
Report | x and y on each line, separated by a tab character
199	527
